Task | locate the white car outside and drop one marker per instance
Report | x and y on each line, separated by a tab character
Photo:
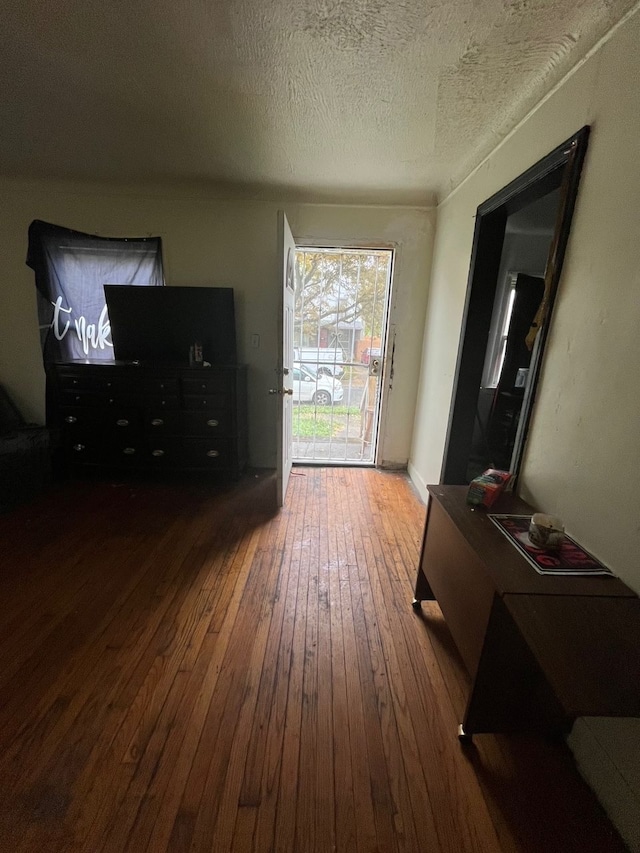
327	360
309	387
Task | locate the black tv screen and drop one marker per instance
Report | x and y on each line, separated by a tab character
161	324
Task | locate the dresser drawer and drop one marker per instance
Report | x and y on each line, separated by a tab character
164	452
140	384
75	419
210	423
83	448
120	421
206	453
171	452
95	381
161	402
209	402
130	400
210	383
147	452
129	451
159	386
83	398
158	421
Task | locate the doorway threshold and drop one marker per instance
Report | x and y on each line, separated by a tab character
353	452
332	463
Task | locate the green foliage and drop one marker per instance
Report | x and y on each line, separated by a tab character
339	288
321	421
306	426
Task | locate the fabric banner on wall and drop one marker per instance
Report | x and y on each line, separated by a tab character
71	269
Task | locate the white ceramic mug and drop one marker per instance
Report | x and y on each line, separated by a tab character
546	531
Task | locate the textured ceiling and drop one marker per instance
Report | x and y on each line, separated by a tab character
345	100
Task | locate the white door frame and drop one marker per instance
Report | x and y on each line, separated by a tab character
388	353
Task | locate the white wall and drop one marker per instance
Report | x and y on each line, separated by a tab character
213	242
583	453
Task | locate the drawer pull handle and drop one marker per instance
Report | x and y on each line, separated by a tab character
70	419
203	386
129	451
78	398
122	422
212	453
109	384
78	448
157	422
74	382
157	452
213	422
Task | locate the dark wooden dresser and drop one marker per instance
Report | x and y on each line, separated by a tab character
148	417
540	650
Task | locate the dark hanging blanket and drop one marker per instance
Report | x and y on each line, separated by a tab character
71	269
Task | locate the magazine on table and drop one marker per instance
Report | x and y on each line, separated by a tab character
569	559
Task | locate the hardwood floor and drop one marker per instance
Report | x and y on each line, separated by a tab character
181	668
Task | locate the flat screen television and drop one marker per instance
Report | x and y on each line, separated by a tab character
161	324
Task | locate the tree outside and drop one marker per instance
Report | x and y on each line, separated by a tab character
340	299
340	305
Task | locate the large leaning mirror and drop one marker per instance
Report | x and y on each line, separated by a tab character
519	243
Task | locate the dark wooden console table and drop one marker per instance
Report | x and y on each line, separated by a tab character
540	650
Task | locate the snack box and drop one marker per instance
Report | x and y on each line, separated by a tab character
484	490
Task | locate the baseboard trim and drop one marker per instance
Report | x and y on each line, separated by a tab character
417	481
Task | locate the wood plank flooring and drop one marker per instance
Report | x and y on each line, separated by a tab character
184	669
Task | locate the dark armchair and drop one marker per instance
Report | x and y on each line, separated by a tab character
25	464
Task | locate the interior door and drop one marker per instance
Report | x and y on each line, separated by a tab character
287	260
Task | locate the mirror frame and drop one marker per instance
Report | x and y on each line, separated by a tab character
561	168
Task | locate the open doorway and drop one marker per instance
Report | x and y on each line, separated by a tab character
339	337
